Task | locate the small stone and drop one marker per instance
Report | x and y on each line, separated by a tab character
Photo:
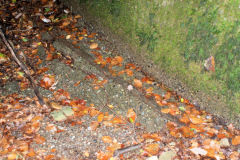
224	142
172	144
130	87
152	158
169	155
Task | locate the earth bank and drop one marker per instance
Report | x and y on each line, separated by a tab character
121	22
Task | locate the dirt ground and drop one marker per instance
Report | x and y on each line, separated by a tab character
102	92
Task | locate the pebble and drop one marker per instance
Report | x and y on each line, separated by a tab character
152	158
224	142
169	155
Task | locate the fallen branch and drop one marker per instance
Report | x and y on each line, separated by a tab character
127	149
23	67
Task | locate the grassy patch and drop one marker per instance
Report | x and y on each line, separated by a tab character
180	35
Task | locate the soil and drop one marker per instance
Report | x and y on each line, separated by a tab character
213	104
82	141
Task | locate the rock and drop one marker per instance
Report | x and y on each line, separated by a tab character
152	158
169	155
46	36
224	142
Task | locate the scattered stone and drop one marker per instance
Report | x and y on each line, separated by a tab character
169	155
152	158
224	142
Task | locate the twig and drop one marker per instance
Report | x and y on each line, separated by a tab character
23	67
127	149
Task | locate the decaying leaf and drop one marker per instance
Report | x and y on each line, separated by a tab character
236	140
93	46
137	83
153	149
106	139
131	115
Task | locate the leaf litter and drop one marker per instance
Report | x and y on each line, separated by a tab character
100	105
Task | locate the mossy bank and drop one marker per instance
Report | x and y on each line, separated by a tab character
178	36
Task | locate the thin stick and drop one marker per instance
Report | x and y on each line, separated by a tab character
127	149
23	67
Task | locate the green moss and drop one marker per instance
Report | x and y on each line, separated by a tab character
180	35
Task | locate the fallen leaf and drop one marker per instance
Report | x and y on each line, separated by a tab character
39	139
58	116
3	58
167	95
49	157
100	117
131	115
118	120
47	81
236	140
68	36
93	46
137	83
153	149
12	156
31	153
106	139
209	64
55	105
94	125
117	61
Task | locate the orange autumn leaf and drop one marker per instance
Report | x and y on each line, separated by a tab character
149	92
53	150
117	120
209	64
93	112
100	117
117	61
93	46
171	125
184	119
39	139
22	146
65	23
94	125
92	35
153	149
77	83
209	144
236	140
166	110
12	156
113	147
106	139
49	57
196	119
137	83
121	72
129	72
234	155
51	127
50	157
147	80
131	115
80	38
167	95
104	156
186	132
130	66
153	136
47	81
31	153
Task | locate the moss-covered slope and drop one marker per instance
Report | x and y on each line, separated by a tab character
180	35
